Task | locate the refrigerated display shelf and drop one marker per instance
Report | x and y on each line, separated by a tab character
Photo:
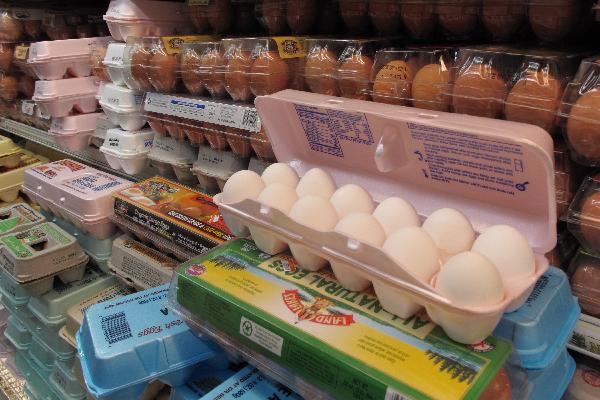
11	387
586	336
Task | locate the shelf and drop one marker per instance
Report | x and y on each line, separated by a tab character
586	337
90	156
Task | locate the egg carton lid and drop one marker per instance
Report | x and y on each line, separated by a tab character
148	10
74	124
127	143
64	49
70	87
121	99
432	159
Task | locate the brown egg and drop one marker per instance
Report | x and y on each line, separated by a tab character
215	136
27	86
163	71
198	17
11	29
585	283
301	15
502	18
220	15
419	19
262	146
499	388
191	66
212	66
385	16
238	141
9	87
245	18
553	20
269	74
156	123
273	16
458	18
61	32
534	99
194	134
353	77
355	14
431	88
237	77
479	91
393	83
590	221
140	63
319	71
7	54
32	29
583	126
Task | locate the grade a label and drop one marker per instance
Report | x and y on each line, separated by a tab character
231	115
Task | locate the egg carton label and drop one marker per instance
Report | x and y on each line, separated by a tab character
22	245
27	107
173	44
235	116
21	52
93	183
339	341
18	215
58	168
290	46
144	265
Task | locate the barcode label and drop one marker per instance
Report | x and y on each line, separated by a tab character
116	328
393	394
250	120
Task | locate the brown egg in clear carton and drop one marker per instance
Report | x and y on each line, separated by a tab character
503	18
272	15
583	218
321	63
355	15
219	15
189	68
194	132
421	78
136	61
58	26
385	16
238	140
212	65
162	68
236	71
97	54
27	86
584	271
173	127
458	18
580	113
553	20
11	28
281	16
419	18
215	136
156	123
9	86
262	146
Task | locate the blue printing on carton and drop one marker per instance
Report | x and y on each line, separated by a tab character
126	342
250	384
541	328
200	384
552	382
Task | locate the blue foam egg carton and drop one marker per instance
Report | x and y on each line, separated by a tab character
125	343
249	384
541	328
200	384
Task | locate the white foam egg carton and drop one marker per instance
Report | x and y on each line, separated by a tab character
139	265
76	193
147	18
495	172
173	157
214	167
123	106
113	61
34	256
74	132
53	59
11	180
58	98
103	124
127	150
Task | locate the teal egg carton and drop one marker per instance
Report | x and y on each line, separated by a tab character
64	384
17	333
18	294
20	310
36	385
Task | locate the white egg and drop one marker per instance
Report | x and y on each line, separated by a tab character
508	250
350	199
317	213
280	197
394	213
414	249
451	231
469	279
242	185
316	182
280	173
364	228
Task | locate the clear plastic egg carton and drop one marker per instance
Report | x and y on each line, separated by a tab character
408	127
61	22
201	67
20	23
123	368
123	106
60	97
583	217
516	84
76	193
279	17
9	86
224	16
213	167
139	265
584	270
74	132
127	18
173	157
56	59
127	150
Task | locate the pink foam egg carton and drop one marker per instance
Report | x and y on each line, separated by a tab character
58	98
79	194
74	132
147	18
54	59
495	172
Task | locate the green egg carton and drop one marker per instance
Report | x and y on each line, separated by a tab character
18	217
17	333
64	383
17	293
36	385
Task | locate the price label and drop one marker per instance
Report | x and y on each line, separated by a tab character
27	107
21	52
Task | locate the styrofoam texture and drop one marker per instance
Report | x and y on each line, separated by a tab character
374	161
103	124
64	384
51	337
74	132
123	106
127	150
116	364
146	18
51	60
58	98
17	309
543	325
113	61
18	217
51	308
17	333
144	266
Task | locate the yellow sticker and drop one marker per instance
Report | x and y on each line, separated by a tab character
290	46
21	52
173	44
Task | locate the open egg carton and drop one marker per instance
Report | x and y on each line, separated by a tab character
376	140
77	193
